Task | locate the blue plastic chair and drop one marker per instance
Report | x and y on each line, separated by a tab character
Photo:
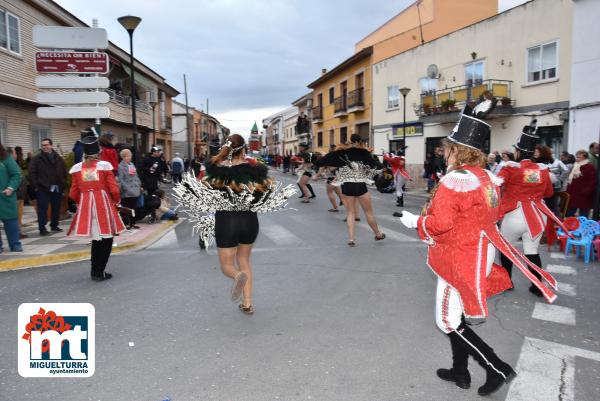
588	230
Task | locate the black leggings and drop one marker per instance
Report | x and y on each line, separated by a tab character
101	251
235	228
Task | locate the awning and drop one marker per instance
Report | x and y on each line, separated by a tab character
150	85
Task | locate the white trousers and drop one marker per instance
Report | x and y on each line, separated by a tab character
399	182
448	306
514	226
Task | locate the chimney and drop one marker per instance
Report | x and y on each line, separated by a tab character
323	71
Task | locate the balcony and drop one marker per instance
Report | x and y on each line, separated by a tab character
444	105
340	108
317	114
126	100
166	125
356	100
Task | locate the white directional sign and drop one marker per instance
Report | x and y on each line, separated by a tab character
60	37
546	371
72	97
72	112
51	81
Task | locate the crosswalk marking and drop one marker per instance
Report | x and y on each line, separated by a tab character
546	371
389	233
561	269
557	255
280	235
566	289
554	313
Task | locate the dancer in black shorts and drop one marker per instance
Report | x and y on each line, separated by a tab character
235	188
356	167
308	159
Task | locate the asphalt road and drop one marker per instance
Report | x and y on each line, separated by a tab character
331	322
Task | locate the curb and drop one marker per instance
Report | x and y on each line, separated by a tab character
75	256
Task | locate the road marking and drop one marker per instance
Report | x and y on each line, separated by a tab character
280	235
554	313
546	371
566	289
389	233
557	255
561	269
169	240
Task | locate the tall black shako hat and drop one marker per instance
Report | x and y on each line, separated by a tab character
528	138
90	145
471	130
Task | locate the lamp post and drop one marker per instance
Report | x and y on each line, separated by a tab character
404	92
130	22
153	104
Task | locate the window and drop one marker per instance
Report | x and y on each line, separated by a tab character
474	73
331	137
319	139
393	96
331	95
428	85
39	132
343	135
3	132
10	38
542	62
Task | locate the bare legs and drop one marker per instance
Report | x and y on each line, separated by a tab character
236	260
243	260
303	181
351	203
365	203
331	189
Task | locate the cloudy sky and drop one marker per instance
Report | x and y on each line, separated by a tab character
250	58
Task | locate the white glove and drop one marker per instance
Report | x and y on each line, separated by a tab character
409	220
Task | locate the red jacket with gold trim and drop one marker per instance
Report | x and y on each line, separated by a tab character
458	224
96	192
397	164
526	184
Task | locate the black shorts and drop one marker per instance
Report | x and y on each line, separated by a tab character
354	188
330	180
308	174
235	228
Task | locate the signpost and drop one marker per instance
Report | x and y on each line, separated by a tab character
71	62
74	38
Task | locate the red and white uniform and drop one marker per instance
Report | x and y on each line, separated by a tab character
522	209
96	192
401	176
460	227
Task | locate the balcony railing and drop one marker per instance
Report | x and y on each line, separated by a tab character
454	98
126	100
340	105
356	99
317	113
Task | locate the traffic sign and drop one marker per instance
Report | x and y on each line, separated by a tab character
72	97
73	112
74	82
76	38
71	62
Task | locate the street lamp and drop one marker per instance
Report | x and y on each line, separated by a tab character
404	92
130	22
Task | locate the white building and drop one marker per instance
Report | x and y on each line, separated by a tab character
290	134
180	135
523	56
585	81
274	126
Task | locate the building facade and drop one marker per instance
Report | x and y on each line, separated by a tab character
584	122
341	102
19	124
522	56
304	130
206	133
290	133
274	131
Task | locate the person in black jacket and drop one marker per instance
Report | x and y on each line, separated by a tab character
152	169
47	175
356	168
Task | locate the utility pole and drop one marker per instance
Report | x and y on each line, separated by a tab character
596	216
187	119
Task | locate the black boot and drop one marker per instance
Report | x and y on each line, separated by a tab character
402	201
312	193
398	201
104	253
301	192
536	260
459	374
507	264
497	371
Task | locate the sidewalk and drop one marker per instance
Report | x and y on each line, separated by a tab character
58	248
